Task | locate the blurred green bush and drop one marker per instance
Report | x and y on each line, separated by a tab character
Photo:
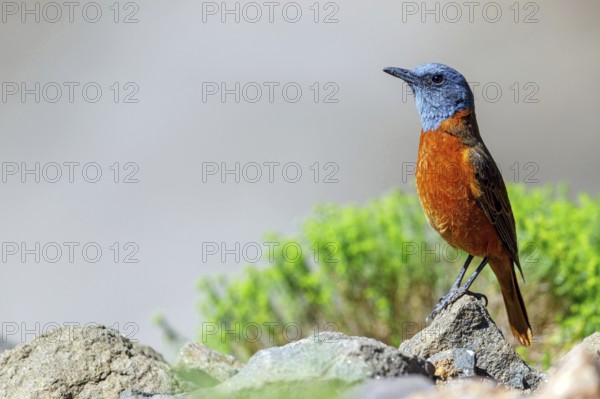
377	271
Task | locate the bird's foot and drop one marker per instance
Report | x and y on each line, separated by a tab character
479	296
452	296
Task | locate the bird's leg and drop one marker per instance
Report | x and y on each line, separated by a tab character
462	272
458	291
467	285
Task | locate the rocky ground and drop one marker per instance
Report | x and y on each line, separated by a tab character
461	354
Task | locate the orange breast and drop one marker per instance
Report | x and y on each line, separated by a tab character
448	193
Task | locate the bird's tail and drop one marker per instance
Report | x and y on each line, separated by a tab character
513	300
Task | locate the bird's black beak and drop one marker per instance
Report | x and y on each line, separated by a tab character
403	74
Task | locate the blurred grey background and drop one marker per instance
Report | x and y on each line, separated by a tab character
533	66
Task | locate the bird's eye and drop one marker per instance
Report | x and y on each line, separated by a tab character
437	79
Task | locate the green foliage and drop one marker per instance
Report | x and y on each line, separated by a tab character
564	270
378	270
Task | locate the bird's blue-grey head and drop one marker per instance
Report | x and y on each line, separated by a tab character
440	92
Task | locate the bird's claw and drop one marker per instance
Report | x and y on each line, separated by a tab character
436	310
479	296
452	296
444	302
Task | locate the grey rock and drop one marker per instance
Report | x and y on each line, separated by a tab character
454	363
468	388
5	344
467	324
322	359
577	377
391	388
142	395
82	363
199	366
590	344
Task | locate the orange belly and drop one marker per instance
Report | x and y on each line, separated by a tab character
447	190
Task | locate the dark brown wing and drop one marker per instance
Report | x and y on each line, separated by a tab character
494	199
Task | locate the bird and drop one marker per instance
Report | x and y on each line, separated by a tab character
461	189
